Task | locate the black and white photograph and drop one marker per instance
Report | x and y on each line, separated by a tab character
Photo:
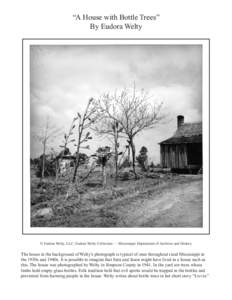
116	139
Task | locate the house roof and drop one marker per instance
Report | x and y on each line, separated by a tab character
186	133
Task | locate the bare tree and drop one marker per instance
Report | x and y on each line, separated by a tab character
64	145
110	128
45	136
103	154
68	135
133	111
85	122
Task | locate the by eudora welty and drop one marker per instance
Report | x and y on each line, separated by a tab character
104	26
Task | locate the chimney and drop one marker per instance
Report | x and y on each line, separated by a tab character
180	121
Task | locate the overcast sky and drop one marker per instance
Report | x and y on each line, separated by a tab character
63	78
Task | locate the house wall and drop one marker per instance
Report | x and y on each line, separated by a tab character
174	156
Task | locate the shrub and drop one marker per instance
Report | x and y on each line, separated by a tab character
49	167
142	158
152	165
125	176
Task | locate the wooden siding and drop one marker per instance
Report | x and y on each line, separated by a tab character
174	156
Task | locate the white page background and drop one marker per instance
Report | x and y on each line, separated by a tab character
178	19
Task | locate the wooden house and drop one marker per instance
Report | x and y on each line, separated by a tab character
183	151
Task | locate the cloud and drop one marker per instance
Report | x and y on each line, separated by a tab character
64	77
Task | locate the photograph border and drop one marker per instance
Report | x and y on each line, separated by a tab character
117	39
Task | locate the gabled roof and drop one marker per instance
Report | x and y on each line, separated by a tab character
186	133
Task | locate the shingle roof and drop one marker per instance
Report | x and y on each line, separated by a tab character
186	133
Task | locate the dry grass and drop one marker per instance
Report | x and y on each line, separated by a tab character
91	205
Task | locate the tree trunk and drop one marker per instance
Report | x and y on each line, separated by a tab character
129	154
116	166
57	169
116	153
133	156
103	175
43	160
76	165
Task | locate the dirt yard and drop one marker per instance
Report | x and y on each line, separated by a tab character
154	200
177	206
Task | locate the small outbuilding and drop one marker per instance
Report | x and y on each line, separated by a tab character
183	151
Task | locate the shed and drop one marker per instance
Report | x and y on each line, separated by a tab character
183	151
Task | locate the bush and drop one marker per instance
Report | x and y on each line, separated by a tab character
152	165
125	176
142	158
49	168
